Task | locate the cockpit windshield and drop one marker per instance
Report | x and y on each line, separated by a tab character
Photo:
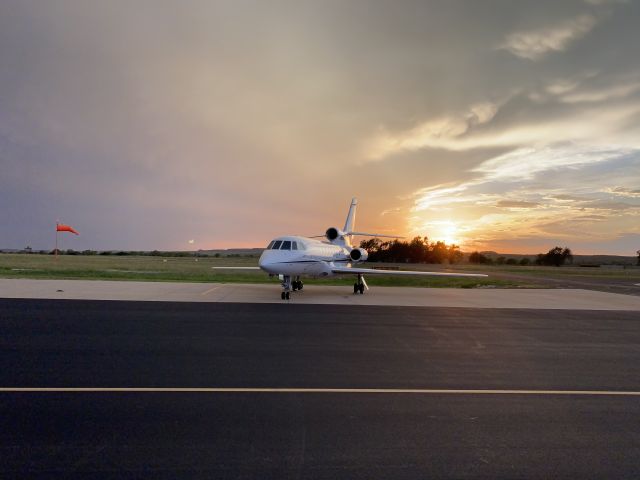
285	245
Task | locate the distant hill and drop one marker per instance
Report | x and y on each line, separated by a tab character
231	251
577	259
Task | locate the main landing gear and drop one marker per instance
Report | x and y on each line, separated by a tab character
358	287
288	285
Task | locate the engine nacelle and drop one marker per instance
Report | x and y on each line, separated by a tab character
333	233
358	255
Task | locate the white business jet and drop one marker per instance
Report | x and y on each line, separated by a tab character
291	257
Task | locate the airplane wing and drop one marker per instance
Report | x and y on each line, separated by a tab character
236	268
370	271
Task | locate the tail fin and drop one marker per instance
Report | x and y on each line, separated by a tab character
350	223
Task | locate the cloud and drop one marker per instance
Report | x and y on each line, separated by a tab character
535	44
601	95
624	192
519	204
446	132
517	121
604	2
562	197
563	86
525	163
440	195
528	187
610	206
591	217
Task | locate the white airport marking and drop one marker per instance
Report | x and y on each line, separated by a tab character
419	391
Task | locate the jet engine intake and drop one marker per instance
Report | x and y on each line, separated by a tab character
359	254
332	233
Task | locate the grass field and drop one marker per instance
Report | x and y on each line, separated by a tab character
190	269
183	269
628	273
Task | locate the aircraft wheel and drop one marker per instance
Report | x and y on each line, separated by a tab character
361	288
283	296
355	288
300	285
286	295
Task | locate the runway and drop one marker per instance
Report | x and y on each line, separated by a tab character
316	391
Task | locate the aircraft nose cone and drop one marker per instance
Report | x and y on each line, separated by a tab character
263	262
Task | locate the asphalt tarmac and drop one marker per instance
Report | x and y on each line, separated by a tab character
563	398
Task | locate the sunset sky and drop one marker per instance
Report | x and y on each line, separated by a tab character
499	125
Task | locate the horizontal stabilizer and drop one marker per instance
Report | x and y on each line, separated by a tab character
363	234
370	271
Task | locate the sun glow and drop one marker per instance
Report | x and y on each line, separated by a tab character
446	231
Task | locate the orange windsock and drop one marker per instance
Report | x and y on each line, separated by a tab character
65	228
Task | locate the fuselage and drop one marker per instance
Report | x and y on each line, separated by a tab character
294	255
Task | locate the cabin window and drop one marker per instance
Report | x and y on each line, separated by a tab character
294	245
286	245
277	244
271	245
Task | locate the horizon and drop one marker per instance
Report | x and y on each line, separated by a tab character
465	252
498	126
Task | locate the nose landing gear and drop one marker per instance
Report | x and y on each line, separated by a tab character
358	287
286	287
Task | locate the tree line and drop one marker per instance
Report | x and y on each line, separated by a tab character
557	256
417	250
